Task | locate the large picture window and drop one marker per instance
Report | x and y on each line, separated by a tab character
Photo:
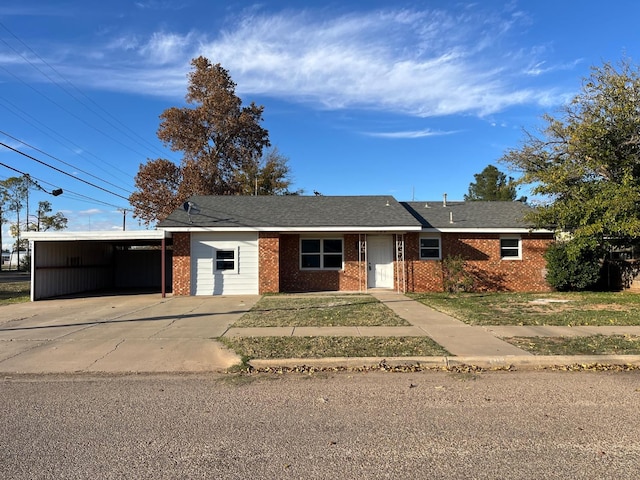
430	248
510	248
321	253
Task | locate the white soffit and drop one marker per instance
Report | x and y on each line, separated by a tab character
128	235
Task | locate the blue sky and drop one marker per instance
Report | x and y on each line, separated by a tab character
403	98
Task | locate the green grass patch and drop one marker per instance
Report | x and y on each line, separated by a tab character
319	311
576	308
319	347
14	292
590	345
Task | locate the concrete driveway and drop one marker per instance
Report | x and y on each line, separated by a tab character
121	333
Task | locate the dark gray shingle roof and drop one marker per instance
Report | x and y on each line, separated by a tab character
295	211
470	214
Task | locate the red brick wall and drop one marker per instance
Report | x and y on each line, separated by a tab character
182	264
482	255
269	262
353	277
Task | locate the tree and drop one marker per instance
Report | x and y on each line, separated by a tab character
585	163
16	191
157	183
222	144
491	184
577	270
49	222
4	198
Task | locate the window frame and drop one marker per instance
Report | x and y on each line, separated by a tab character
225	271
430	237
321	253
518	248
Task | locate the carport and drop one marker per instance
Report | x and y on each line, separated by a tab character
68	263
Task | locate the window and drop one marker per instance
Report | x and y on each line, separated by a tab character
430	248
510	248
321	253
225	260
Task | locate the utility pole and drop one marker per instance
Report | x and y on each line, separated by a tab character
124	218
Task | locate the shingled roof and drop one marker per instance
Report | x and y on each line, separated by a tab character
294	212
470	215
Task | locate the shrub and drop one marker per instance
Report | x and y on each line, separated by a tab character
454	276
572	267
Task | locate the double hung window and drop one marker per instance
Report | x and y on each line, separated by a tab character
430	248
511	248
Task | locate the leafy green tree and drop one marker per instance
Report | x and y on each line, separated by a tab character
222	144
46	222
491	184
16	191
585	162
570	269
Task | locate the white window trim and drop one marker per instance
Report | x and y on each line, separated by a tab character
511	237
321	253
439	238
236	257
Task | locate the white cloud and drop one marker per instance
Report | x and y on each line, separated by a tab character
417	62
91	211
410	134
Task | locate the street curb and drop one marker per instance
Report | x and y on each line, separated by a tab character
521	362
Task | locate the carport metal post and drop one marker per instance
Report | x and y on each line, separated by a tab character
163	266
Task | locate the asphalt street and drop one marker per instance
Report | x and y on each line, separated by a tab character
435	425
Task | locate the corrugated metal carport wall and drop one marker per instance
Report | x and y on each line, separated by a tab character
69	267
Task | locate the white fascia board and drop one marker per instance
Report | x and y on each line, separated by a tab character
96	235
485	230
293	229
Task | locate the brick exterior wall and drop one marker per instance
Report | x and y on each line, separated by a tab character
182	264
269	262
279	265
483	262
352	278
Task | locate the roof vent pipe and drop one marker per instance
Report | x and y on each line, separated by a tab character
450	217
444	199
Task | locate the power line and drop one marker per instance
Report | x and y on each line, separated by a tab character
70	194
98	114
63	162
62	171
34	122
72	114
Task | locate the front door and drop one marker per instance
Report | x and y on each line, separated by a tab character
380	261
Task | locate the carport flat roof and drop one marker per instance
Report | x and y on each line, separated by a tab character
108	235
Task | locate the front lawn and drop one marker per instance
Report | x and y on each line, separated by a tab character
319	347
320	311
592	345
576	308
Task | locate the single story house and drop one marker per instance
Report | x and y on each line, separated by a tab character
225	245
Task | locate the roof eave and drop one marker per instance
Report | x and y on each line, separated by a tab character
345	228
485	230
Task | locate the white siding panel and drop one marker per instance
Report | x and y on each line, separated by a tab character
243	280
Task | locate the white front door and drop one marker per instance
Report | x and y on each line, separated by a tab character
380	261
